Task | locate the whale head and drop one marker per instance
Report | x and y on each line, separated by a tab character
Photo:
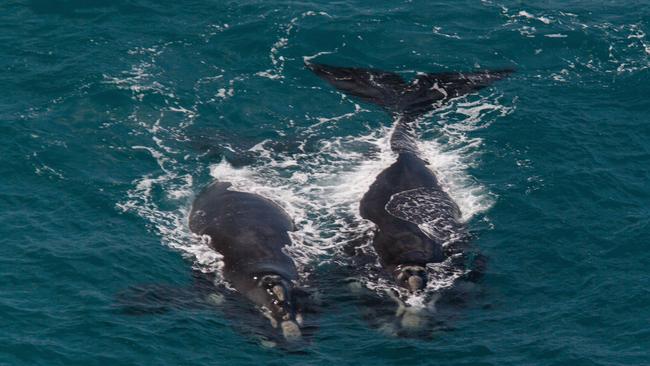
411	277
275	295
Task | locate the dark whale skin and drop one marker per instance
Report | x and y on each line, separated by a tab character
399	241
248	230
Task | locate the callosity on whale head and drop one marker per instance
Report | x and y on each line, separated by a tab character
411	277
276	296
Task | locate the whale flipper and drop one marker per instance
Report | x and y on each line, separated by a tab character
389	90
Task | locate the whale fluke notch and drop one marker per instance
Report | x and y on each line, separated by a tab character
390	91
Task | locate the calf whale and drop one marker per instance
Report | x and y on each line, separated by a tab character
416	221
250	232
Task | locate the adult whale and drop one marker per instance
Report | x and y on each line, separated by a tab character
250	231
417	223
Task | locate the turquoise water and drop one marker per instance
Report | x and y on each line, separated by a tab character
114	114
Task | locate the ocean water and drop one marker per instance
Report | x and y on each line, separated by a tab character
114	114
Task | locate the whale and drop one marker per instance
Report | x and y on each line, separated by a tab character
416	222
258	289
251	232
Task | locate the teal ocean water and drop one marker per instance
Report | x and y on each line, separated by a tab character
114	114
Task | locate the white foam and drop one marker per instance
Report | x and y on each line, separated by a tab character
528	15
229	91
47	170
277	60
321	120
438	31
307	59
141	78
212	30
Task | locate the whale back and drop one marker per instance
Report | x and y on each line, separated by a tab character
415	216
249	230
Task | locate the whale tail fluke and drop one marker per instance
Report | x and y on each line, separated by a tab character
388	90
375	86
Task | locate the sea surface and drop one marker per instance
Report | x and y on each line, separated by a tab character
114	114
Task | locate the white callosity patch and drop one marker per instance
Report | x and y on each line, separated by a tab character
291	331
